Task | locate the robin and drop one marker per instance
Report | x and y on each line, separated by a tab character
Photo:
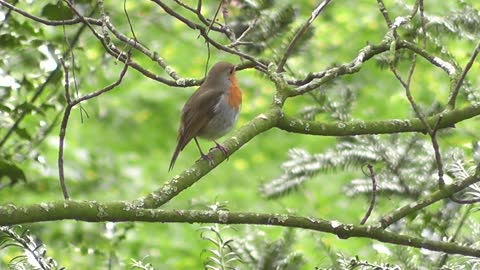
211	111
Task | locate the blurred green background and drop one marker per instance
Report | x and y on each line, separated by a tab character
122	150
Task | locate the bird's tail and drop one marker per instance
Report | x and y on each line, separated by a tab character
182	141
175	156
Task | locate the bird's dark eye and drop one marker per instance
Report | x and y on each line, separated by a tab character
232	70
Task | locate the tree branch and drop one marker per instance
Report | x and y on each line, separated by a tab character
299	34
384	11
39	90
372	200
8	13
314	80
66	115
177	82
453	96
449	119
198	12
92	211
451	239
438	195
431	131
177	184
45	21
203	32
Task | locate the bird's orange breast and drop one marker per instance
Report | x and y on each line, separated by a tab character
235	95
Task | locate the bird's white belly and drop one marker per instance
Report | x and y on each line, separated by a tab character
223	120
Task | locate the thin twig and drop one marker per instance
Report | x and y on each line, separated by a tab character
72	57
419	114
206	34
45	21
372	201
186	6
198	11
214	17
178	82
258	64
41	88
112	50
67	82
463	201
453	97
314	80
105	89
199	7
239	39
154	57
7	14
436	196
422	24
300	32
446	66
406	86
463	219
66	115
396	167
128	20
63	130
384	11
438	156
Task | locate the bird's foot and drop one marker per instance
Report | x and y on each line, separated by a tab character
207	158
223	149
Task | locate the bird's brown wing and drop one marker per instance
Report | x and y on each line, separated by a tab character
196	113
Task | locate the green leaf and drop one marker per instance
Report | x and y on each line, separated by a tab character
23	133
26	106
24	28
27	84
4	108
57	12
11	171
9	41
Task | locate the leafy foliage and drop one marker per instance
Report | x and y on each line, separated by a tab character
141	265
399	174
128	136
356	263
405	165
24	77
12	172
335	100
462	23
34	253
221	257
258	254
272	27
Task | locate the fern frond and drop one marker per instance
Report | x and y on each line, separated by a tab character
332	255
34	254
364	186
258	254
356	263
335	99
399	174
463	23
274	32
457	169
141	264
301	166
221	256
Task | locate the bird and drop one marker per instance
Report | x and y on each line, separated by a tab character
211	111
